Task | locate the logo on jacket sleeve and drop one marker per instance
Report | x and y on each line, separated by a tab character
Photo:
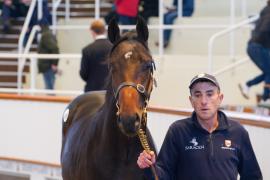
195	145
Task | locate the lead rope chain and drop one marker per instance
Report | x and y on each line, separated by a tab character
144	142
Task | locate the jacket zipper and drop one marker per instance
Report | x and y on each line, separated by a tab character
211	146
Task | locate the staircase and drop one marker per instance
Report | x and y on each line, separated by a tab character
82	8
9	42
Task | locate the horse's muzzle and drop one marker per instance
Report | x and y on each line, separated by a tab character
129	125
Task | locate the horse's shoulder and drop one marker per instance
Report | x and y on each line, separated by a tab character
91	97
82	107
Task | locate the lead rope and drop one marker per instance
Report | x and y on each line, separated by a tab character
143	139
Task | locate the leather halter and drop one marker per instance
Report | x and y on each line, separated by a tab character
139	87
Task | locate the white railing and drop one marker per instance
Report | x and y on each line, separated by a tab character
24	31
222	33
67	10
160	26
33	65
55	5
231	66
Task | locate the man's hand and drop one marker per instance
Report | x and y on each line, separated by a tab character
8	2
54	68
26	2
145	160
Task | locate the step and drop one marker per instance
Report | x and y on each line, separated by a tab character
82	9
13	30
8	84
14	48
11	78
12	68
9	40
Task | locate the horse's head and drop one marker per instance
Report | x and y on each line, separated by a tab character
131	67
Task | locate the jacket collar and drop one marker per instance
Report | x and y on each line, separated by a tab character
102	36
223	122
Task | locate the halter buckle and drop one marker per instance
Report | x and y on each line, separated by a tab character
140	88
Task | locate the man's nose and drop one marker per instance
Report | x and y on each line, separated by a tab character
204	99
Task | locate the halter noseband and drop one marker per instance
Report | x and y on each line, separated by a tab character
139	87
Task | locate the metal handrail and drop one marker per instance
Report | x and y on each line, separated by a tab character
33	57
231	66
223	32
25	25
97	9
35	29
22	36
67	10
55	5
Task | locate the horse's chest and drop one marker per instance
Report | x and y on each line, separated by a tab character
118	168
122	173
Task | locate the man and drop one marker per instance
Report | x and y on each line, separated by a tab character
259	52
47	45
205	146
149	9
94	68
127	11
13	9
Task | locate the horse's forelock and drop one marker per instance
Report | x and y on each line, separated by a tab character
129	36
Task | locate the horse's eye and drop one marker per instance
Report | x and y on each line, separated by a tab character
148	66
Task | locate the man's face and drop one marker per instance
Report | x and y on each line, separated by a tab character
205	98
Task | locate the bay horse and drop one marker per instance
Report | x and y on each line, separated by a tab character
103	144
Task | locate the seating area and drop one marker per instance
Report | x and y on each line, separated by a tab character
189	45
9	41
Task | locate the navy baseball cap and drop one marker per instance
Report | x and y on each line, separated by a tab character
206	77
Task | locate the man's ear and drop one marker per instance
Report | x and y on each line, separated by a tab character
221	96
190	100
113	31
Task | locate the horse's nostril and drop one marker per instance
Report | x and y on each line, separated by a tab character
129	124
137	121
137	124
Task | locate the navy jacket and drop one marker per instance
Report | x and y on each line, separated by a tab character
189	152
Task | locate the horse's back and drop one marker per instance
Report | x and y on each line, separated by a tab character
82	107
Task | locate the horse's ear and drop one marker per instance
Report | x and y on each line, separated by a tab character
142	29
113	31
